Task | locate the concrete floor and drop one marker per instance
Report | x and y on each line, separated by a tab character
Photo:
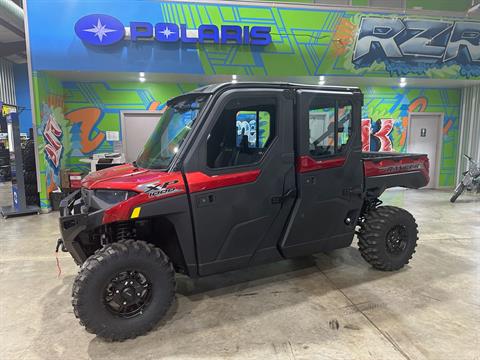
324	307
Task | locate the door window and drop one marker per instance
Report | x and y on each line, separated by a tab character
242	133
329	124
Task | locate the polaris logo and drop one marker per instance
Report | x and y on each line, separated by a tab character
101	30
98	29
412	41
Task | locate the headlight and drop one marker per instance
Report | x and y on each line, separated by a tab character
112	197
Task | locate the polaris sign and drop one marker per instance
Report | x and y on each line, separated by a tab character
102	30
412	45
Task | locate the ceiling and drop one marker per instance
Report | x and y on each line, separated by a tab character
12	33
207	79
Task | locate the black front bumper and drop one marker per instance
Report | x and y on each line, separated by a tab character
74	224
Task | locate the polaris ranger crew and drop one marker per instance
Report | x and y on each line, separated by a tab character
233	175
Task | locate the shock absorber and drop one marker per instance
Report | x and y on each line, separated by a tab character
124	231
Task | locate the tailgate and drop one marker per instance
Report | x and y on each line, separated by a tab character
386	170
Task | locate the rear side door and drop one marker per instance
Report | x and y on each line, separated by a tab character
329	173
241	178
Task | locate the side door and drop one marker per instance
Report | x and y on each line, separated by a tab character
329	173
241	178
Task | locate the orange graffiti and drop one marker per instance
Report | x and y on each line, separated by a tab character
154	105
87	117
343	37
447	127
52	186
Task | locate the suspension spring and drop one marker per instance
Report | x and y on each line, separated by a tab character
124	231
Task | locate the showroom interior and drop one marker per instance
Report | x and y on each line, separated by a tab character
251	231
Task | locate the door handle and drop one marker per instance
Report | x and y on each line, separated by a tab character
205	200
292	193
353	191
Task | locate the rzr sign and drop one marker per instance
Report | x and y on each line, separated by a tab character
412	45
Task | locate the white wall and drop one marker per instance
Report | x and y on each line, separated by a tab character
469	142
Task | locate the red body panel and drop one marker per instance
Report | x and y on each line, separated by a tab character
307	163
198	181
154	185
166	185
122	177
397	166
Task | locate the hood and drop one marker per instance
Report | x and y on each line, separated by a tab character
122	177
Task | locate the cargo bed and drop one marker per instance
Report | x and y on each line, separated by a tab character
384	170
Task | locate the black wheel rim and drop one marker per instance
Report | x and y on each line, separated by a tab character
128	294
397	239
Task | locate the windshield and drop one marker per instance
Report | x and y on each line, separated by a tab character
170	132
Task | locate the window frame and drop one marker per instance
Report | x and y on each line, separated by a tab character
305	98
222	102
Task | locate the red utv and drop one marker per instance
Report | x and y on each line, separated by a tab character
234	175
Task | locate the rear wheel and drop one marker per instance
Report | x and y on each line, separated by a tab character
388	237
458	191
123	290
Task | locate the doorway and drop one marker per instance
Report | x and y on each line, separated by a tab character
425	137
137	126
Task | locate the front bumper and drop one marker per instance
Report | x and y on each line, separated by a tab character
76	223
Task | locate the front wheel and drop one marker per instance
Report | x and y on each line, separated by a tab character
458	191
123	290
388	237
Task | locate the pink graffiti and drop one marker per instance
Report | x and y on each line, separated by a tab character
386	127
52	133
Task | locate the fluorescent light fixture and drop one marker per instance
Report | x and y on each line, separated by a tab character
141	74
141	79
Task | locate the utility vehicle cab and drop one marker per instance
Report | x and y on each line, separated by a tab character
233	175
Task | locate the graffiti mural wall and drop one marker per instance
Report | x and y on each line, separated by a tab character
75	116
385	121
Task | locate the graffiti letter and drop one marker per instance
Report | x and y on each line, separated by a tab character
87	118
52	133
366	129
378	33
386	127
464	35
423	43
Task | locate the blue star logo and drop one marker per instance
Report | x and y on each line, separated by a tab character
167	32
100	30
